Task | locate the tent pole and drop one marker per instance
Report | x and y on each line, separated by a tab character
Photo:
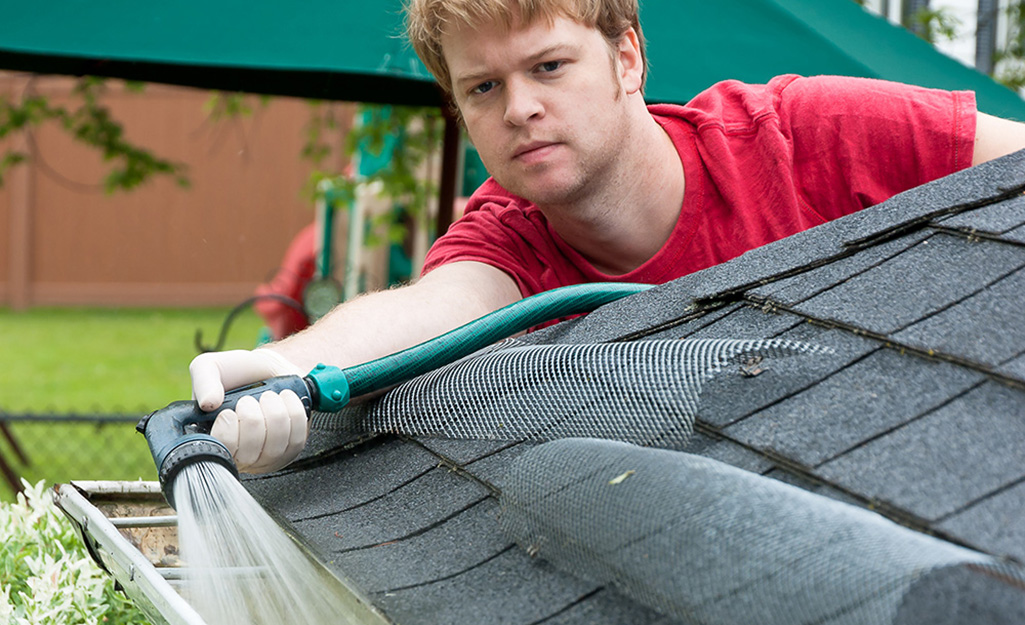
449	170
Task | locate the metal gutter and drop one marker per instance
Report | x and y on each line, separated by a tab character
131	533
136	575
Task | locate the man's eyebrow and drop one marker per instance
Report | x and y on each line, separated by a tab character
552	50
477	76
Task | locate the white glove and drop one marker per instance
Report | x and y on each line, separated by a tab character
263	435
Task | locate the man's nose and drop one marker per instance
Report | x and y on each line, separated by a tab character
522	102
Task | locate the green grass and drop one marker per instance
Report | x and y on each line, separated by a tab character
96	361
105	361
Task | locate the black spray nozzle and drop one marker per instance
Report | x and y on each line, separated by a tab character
179	434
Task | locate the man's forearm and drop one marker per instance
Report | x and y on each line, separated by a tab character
384	322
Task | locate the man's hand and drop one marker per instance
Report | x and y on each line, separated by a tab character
266	435
262	435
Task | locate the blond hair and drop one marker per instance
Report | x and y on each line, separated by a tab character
428	20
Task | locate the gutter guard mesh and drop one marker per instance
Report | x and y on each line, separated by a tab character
707	543
643	392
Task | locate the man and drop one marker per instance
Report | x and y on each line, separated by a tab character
591	184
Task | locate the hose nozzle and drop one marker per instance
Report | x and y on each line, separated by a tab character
179	434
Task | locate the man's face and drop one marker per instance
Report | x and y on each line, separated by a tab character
542	104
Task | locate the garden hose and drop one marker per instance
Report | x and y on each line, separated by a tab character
179	434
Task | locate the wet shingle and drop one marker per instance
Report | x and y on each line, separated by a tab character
606	607
453	547
511	588
410	509
340	483
462	451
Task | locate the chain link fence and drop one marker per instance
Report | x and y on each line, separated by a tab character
70	447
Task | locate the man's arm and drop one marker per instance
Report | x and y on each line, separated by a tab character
385	322
266	434
996	137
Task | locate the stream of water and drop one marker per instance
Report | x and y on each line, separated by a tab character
241	568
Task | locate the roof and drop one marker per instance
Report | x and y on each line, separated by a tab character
917	414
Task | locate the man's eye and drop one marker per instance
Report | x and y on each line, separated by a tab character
483	88
550	66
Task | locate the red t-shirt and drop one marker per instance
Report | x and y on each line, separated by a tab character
761	162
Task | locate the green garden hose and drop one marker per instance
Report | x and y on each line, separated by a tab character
178	434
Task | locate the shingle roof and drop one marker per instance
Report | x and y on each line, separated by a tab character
918	414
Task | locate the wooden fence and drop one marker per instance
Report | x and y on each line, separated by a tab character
65	242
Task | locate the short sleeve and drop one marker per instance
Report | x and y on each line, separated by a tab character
508	233
857	142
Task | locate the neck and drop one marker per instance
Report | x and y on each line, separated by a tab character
627	218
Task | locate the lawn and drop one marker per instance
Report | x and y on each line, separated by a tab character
98	362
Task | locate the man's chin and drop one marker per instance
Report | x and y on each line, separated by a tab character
551	190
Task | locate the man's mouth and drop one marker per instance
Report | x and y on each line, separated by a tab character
534	151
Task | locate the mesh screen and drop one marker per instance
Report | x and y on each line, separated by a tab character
705	542
644	392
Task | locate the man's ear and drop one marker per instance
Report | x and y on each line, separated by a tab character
631	63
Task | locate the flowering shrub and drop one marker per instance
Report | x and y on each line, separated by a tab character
46	576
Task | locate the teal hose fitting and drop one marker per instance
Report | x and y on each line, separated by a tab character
331	386
179	434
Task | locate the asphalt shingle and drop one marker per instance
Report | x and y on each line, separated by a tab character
408	510
937	442
993	219
944	461
732	396
339	482
509	588
455	546
923	280
871	396
993	524
810	283
966	328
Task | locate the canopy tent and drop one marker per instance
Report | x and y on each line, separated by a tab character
328	49
348	50
693	44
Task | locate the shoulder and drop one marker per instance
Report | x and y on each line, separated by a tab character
737	106
493	215
729	105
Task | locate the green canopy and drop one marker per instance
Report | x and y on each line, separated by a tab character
327	49
694	43
351	50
